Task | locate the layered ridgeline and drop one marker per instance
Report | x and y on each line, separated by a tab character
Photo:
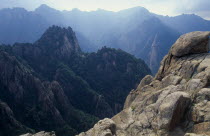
52	85
136	30
176	102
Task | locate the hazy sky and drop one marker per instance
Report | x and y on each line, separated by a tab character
163	7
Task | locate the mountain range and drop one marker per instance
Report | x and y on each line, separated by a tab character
136	30
52	85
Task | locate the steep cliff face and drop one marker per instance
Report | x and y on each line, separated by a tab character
60	42
149	40
173	103
28	101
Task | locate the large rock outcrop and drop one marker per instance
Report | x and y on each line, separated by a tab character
194	42
176	101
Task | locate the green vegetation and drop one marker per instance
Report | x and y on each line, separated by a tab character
112	73
64	89
133	108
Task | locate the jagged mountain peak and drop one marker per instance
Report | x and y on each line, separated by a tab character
44	7
136	9
58	38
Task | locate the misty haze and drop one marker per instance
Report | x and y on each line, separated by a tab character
104	68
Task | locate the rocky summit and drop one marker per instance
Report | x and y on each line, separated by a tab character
176	102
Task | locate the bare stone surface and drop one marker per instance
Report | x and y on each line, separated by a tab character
176	102
194	42
193	134
42	133
104	127
145	81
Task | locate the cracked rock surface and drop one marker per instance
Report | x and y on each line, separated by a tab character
176	102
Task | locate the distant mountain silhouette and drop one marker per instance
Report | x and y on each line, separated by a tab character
186	23
131	30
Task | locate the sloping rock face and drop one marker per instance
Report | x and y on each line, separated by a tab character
176	101
105	127
26	101
60	42
195	42
42	133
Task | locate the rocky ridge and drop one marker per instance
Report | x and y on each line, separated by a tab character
173	103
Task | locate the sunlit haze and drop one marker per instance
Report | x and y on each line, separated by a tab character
162	7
